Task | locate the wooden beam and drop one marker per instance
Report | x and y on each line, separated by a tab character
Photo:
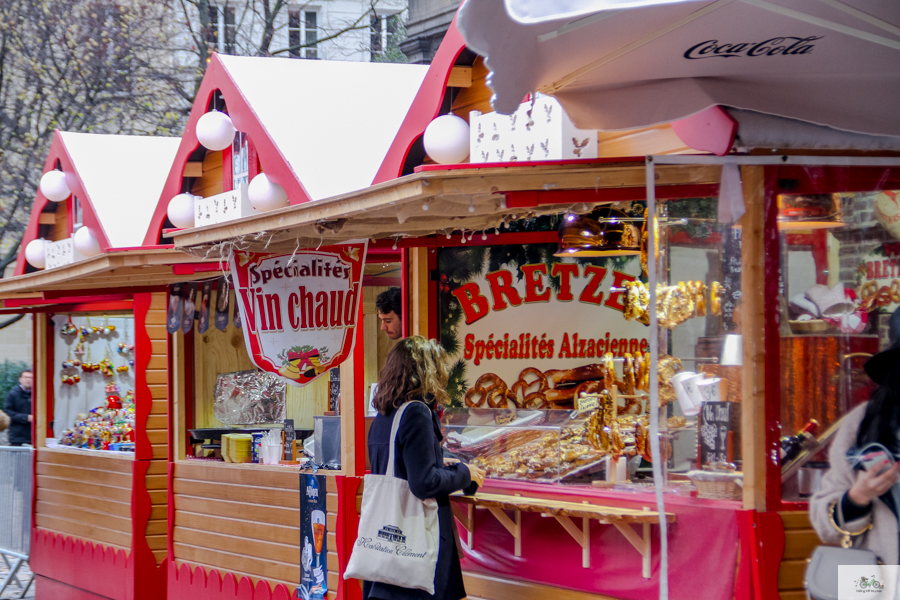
47	218
193	169
418	288
44	361
348	412
753	322
460	77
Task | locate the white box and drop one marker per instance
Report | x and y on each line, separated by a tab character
538	130
59	253
223	207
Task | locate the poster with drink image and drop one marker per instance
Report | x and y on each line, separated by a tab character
313	536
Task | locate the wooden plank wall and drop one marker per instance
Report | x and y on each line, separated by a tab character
799	541
158	427
60	228
210	183
475	97
246	521
85	496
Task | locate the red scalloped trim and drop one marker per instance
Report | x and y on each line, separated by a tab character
193	584
90	566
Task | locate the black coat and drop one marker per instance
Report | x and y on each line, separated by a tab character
419	460
18	407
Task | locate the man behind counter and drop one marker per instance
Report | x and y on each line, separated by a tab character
389	305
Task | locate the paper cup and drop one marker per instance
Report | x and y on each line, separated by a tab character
709	390
271	454
683	393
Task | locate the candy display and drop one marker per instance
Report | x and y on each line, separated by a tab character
107	427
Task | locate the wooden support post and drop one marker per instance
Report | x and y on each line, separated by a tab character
466	519
640	544
579	535
42	376
418	287
177	389
753	323
645	571
471	531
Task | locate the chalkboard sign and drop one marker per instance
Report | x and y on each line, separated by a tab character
334	390
731	277
289	436
715	424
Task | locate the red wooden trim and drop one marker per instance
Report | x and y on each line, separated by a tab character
147	247
192	268
143	399
103	294
433	316
538	163
244	118
190	582
170	507
382	281
57	308
92	567
528	198
51	374
383	254
345	534
44	587
359	397
425	106
148	581
441	241
228	168
404	293
825	180
60	299
743	580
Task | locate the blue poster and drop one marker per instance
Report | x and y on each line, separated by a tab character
313	538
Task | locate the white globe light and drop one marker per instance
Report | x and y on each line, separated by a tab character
53	186
181	211
86	242
215	130
447	140
265	194
35	254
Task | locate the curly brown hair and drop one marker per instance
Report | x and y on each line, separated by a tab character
415	369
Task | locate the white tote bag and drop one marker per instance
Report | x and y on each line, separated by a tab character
398	533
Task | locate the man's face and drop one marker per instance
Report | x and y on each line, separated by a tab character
25	380
391	325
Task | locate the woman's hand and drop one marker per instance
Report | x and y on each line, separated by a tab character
870	485
450	461
476	474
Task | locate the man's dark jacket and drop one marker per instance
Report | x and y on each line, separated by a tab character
18	407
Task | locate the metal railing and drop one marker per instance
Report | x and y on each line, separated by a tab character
15	513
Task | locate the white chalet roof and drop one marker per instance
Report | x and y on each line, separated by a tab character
333	121
123	176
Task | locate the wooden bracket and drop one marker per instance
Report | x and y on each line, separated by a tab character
467	520
581	536
641	544
513	526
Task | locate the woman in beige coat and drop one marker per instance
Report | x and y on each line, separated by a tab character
854	501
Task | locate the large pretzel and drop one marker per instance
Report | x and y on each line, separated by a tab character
478	393
895	290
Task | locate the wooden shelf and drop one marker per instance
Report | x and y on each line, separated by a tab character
563	512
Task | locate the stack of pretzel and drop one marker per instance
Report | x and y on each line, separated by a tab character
559	388
675	304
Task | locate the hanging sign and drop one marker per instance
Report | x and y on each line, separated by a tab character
298	312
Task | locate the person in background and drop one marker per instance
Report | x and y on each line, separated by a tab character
389	305
415	372
865	502
18	407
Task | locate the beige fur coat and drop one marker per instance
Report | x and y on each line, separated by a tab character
883	537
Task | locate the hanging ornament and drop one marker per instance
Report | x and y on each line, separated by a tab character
106	367
69	328
446	140
215	130
265	195
70	379
107	328
86	242
124	347
181	211
122	369
79	349
87	366
112	388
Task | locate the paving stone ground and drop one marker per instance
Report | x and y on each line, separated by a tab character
14	591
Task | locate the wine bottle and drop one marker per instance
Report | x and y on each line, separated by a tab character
791	446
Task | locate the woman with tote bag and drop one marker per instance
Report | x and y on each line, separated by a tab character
415	378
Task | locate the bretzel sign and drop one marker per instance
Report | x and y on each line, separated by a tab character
299	311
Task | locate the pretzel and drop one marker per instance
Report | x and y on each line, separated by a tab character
700	298
478	393
884	296
628	372
609	371
641	439
531	376
576	375
715	298
895	290
561	395
536	400
666	369
501	398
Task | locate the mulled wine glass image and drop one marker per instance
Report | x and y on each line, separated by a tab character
318	527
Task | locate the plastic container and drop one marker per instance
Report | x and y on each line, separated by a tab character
327	444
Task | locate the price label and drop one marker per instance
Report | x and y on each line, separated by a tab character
505	417
588	402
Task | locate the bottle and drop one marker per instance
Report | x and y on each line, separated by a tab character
791	446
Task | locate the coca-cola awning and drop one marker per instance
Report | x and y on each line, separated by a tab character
619	64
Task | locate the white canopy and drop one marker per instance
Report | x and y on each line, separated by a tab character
123	176
619	64
333	121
